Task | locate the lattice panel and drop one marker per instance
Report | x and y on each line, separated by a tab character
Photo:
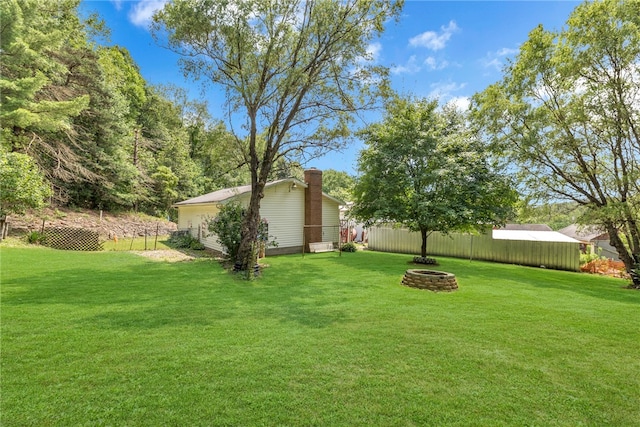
72	239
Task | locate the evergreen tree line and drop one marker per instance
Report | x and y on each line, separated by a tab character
102	136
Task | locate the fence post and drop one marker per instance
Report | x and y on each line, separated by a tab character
155	244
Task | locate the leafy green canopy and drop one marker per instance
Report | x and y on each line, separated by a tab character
338	184
21	184
294	72
100	134
568	113
424	169
29	37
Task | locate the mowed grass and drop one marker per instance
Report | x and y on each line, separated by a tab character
137	243
112	338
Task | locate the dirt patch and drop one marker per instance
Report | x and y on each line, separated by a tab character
107	225
178	255
166	255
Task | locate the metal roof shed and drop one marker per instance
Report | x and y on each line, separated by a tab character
532	236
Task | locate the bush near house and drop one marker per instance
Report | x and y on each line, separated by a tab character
226	226
184	240
349	247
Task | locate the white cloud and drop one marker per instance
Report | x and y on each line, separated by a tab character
142	12
496	59
433	40
411	67
117	4
492	63
373	50
444	90
373	53
505	51
462	103
433	64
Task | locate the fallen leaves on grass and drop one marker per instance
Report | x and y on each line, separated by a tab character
605	267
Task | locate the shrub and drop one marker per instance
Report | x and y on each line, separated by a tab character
349	247
588	257
35	237
226	226
184	240
196	245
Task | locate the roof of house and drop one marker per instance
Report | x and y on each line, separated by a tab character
532	235
225	194
530	227
585	233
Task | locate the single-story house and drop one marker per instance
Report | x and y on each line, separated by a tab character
592	239
298	213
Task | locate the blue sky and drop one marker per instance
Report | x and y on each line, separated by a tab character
445	49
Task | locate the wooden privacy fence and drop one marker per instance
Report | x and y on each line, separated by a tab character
555	255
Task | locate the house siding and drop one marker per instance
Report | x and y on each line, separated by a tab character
330	220
604	248
193	218
282	207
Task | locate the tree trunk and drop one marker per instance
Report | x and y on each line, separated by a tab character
423	247
247	251
4	227
631	261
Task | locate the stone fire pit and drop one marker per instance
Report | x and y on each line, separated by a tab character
430	279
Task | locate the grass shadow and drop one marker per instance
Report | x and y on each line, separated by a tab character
126	291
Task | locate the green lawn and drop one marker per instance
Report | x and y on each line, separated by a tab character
137	244
112	338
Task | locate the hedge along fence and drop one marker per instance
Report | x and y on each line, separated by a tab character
555	255
72	239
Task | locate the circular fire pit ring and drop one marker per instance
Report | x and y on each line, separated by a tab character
430	279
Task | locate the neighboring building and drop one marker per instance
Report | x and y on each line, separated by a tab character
352	230
528	227
592	240
531	233
298	213
532	236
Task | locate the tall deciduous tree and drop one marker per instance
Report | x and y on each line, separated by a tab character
294	73
568	111
424	169
339	184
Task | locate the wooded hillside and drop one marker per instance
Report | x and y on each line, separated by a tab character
102	137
